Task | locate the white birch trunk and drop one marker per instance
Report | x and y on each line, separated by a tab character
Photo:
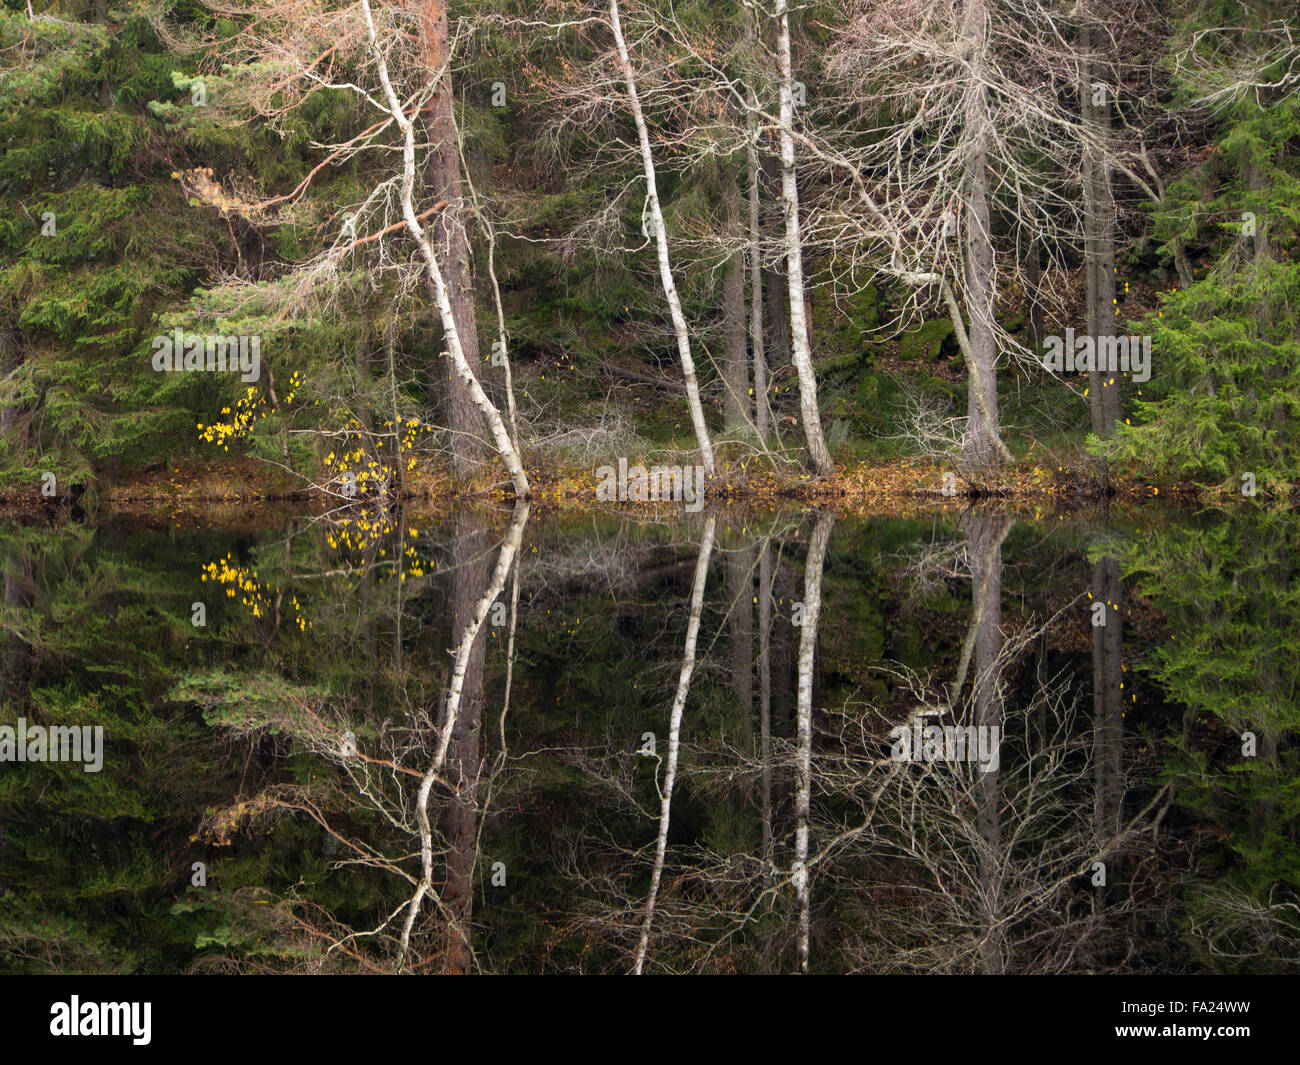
762	413
500	435
800	348
661	242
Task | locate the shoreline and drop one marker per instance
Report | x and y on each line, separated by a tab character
246	481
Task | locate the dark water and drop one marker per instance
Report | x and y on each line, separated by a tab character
1116	789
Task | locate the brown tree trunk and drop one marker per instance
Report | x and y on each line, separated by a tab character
778	321
1099	242
451	242
471	573
1107	696
734	354
765	689
740	596
1033	294
11	359
777	318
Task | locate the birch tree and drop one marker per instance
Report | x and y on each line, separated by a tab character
448	723
290	54
661	244
762	413
441	294
891	201
801	352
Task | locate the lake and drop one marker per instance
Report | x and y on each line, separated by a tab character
946	739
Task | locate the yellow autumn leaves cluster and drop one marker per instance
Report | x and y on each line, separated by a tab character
241	581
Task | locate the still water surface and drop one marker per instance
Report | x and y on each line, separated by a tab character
721	742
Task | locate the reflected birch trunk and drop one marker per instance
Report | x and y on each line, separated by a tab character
448	728
674	738
812	605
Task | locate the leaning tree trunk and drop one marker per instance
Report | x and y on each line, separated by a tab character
800	348
462	674
661	242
